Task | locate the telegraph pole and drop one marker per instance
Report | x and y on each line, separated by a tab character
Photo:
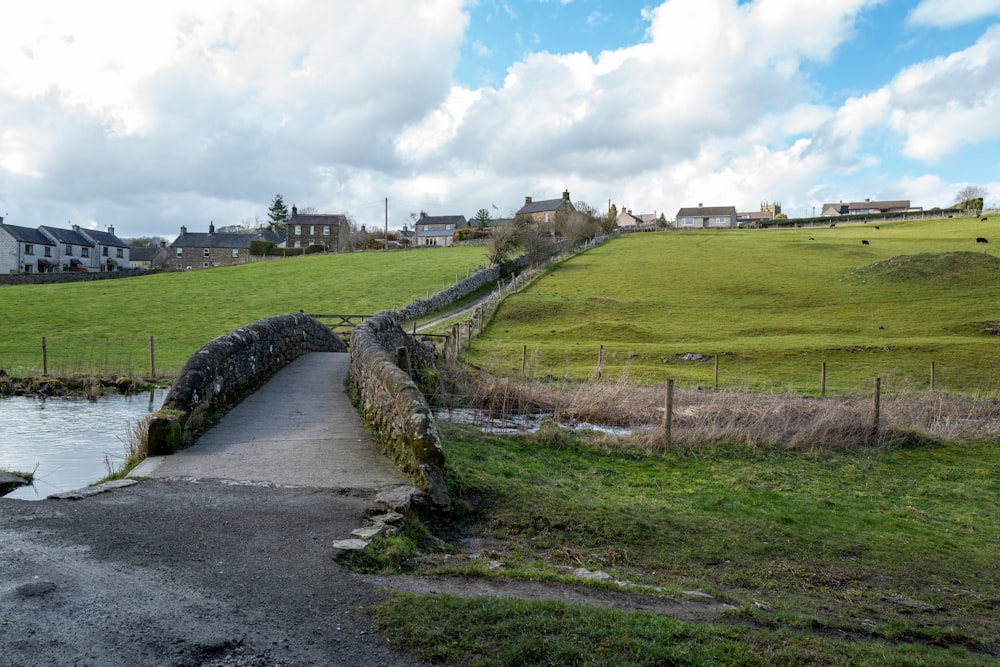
386	237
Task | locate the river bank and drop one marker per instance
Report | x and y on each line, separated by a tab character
76	386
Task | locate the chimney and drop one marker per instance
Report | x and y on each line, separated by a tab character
76	228
184	230
565	195
111	230
295	211
527	200
163	244
211	227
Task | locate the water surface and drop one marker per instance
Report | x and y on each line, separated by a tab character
66	441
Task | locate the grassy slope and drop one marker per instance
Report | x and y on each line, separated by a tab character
104	326
772	303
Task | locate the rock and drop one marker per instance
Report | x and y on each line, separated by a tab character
79	494
368	532
350	545
9	482
399	498
584	573
698	594
389	519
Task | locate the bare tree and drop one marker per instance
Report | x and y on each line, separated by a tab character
971	198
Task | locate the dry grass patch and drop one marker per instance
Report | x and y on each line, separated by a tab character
733	417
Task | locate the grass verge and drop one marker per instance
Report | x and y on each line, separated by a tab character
832	557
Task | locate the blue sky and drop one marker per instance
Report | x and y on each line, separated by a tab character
203	110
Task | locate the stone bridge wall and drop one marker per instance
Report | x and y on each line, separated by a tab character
384	361
229	368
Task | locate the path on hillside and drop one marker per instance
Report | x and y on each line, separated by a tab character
298	429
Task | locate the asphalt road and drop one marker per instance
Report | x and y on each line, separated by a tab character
181	573
221	555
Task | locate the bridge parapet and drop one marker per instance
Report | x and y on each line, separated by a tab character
393	403
229	368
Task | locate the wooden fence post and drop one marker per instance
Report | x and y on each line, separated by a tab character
524	360
600	362
45	358
876	405
822	381
152	358
716	372
932	376
668	414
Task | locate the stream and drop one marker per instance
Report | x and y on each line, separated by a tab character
67	441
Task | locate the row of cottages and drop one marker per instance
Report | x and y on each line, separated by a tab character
707	217
628	220
54	250
198	250
868	207
437	230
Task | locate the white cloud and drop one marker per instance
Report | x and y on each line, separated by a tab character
948	13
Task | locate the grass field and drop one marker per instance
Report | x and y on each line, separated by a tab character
103	327
872	557
773	304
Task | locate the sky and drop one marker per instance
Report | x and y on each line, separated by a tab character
150	116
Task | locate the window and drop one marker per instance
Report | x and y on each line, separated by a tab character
48	251
204	265
326	230
546	217
206	252
236	252
687	222
84	252
180	253
298	231
120	253
312	229
178	265
68	250
27	268
298	244
721	220
104	251
29	249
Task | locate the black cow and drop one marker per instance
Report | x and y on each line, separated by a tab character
864	242
984	218
981	240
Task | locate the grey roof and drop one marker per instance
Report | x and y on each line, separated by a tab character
146	254
880	205
65	236
26	234
316	219
458	220
216	240
544	206
706	211
104	238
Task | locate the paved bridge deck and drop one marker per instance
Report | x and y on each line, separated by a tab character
298	429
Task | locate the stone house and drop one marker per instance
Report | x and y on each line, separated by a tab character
706	217
25	250
149	258
198	250
545	211
867	207
318	229
53	249
437	230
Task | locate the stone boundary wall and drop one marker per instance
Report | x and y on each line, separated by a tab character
66	277
229	368
384	360
461	289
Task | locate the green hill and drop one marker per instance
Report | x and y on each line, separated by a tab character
773	304
104	326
